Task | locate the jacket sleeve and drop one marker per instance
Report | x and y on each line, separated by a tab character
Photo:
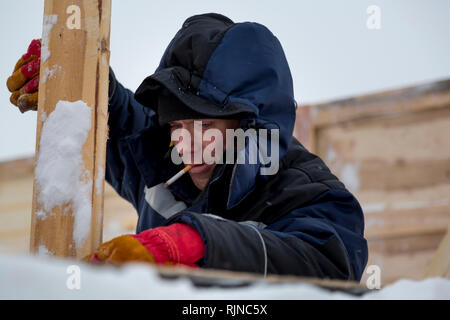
323	240
126	117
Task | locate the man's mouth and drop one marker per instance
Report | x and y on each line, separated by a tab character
199	168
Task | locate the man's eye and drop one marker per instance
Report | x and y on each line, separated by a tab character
175	126
206	125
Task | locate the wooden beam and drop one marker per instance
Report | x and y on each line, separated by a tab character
304	129
385	104
14	169
74	67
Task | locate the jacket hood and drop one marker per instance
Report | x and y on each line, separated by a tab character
221	68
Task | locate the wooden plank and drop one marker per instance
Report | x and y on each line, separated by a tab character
398	167
406	243
391	223
16	168
411	137
101	120
392	150
385	104
403	265
304	128
77	57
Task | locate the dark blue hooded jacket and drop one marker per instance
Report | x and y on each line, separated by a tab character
300	221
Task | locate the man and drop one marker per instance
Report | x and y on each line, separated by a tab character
296	219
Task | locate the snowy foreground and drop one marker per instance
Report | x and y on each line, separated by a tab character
27	277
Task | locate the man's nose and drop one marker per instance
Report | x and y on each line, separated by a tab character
188	147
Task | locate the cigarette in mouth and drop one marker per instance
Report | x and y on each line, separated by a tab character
178	175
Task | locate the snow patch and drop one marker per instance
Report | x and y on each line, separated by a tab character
60	174
99	180
43	116
50	73
25	277
43	251
406	289
41	215
49	22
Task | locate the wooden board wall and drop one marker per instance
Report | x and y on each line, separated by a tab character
392	150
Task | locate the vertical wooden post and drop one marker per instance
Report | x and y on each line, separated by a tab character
74	66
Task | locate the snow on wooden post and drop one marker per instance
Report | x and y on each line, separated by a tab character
72	129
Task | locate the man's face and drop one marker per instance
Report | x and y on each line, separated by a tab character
200	173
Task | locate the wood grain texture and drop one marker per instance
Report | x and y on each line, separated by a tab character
82	60
304	129
392	151
391	103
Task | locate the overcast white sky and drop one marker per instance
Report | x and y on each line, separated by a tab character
331	52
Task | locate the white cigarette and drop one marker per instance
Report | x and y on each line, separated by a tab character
177	176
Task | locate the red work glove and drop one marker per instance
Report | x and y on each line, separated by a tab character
24	81
175	244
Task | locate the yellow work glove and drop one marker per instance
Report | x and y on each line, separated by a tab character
24	82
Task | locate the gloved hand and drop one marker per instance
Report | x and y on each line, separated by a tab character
175	244
24	81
